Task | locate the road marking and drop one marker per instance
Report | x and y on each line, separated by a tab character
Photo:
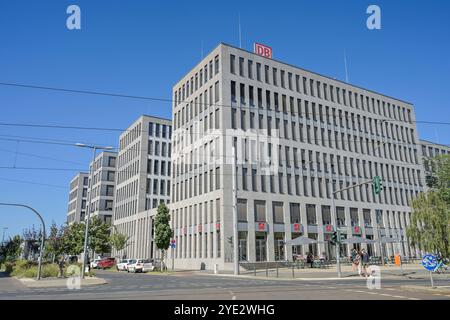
413	299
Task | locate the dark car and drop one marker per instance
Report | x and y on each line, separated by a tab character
106	263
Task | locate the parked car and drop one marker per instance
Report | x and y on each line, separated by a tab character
106	263
123	264
140	265
94	264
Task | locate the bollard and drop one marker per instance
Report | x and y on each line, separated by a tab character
277	269
267	270
293	275
254	265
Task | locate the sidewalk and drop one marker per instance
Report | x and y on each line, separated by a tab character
59	282
392	272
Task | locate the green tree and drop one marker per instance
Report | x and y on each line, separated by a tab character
430	221
54	245
12	249
118	240
98	234
73	239
163	232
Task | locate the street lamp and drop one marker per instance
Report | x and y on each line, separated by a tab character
87	218
42	236
3	236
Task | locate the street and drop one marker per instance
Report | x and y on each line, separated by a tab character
203	286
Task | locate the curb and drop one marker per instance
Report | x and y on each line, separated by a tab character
58	283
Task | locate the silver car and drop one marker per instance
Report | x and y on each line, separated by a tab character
140	265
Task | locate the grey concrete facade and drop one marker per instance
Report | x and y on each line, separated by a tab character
329	135
431	150
76	209
101	203
143	182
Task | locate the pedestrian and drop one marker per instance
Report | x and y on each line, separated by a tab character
365	261
352	259
310	259
358	262
61	264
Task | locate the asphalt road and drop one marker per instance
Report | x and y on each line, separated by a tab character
195	286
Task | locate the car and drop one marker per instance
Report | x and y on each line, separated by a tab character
140	265
94	264
123	265
106	263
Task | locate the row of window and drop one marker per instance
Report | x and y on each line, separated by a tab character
159	130
157	187
130	136
304	109
196	81
314	88
196	106
203	183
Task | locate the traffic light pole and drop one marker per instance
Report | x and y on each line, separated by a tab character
338	242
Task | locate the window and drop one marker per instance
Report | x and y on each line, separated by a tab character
250	69
216	65
241	66
311	214
295	212
277	208
242	210
260	211
258	71
232	64
216	92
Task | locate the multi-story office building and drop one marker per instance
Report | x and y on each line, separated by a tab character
103	170
143	182
317	134
429	151
77	198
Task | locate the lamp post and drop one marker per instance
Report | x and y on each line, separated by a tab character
87	217
3	236
42	236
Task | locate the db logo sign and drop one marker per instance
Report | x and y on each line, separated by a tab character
297	227
263	50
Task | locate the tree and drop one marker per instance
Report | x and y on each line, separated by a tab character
118	240
163	232
54	246
430	220
12	249
99	236
73	239
32	239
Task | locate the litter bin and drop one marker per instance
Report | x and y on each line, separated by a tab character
216	268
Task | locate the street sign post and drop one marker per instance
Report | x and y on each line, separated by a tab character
173	245
430	263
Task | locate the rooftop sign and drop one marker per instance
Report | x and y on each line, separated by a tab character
262	50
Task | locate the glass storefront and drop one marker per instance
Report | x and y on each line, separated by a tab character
261	246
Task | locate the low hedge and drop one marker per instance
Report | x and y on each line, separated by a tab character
29	269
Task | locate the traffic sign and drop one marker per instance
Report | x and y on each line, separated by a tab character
429	262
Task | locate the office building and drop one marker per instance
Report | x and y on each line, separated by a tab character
143	182
104	179
299	136
77	198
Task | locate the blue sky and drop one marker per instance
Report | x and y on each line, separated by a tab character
144	47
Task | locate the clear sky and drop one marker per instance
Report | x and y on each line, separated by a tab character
143	48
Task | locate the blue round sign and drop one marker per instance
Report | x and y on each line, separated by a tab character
429	262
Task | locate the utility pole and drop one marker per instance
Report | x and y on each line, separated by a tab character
235	220
88	214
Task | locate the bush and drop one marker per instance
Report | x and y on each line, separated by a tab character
8	267
26	269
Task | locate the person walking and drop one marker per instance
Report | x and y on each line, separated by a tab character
365	262
358	262
352	259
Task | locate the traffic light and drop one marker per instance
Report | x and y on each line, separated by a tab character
377	184
334	238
